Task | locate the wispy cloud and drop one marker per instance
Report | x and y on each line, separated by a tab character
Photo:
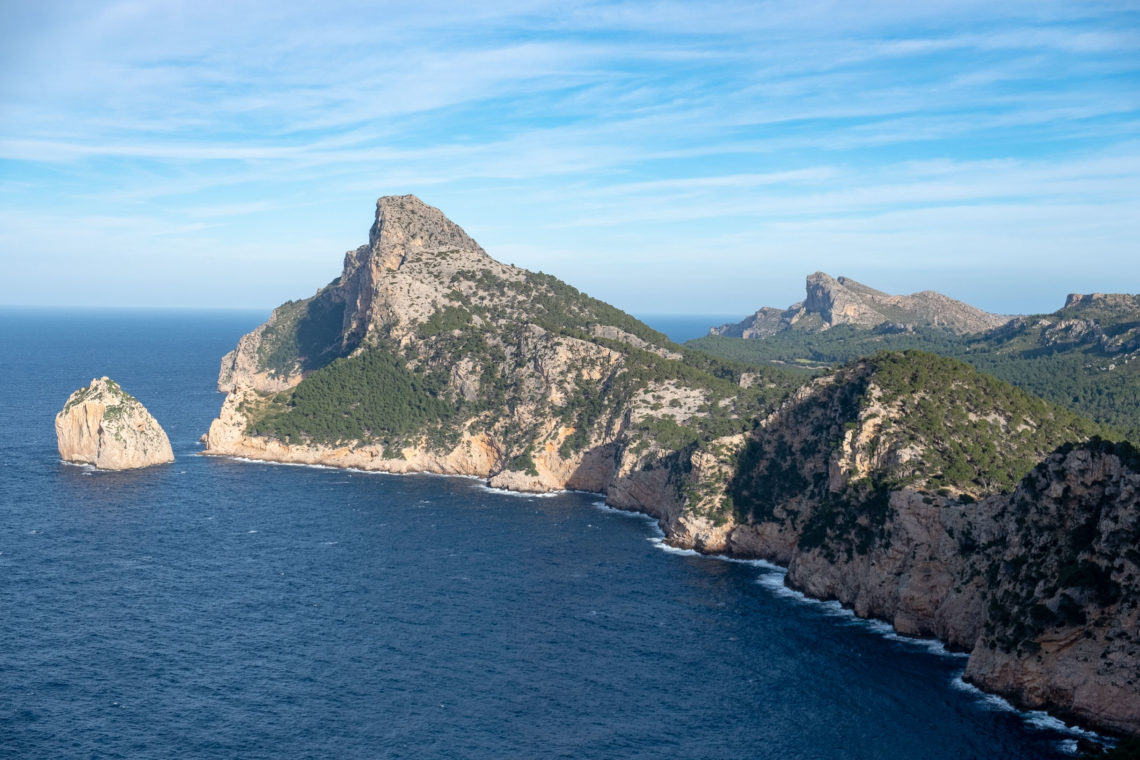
575	126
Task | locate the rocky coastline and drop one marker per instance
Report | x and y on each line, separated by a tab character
853	482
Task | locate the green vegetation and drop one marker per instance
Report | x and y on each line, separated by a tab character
1077	367
372	396
559	307
812	350
965	434
1068	542
445	320
977	434
524	462
302	335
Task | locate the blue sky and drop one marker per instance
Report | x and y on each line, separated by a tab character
664	156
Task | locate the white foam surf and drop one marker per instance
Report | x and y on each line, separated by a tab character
519	494
273	463
601	506
1035	718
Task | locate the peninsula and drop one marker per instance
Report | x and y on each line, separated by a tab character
909	486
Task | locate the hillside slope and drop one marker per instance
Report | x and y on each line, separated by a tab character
1083	356
428	355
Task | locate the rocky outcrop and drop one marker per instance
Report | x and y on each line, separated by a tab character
503	374
843	301
1103	326
103	425
1037	578
1062	624
1116	304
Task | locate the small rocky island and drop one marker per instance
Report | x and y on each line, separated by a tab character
103	425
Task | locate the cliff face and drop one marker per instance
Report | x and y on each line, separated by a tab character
428	355
103	425
874	486
1062	625
830	302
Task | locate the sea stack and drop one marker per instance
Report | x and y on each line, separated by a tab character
103	425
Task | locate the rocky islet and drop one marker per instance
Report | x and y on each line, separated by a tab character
104	426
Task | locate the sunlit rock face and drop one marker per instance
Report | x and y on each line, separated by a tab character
103	425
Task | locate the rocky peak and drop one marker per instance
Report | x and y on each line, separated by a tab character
405	226
414	258
103	425
1094	305
842	301
830	301
406	245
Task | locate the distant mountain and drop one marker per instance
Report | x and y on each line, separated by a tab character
1085	355
831	302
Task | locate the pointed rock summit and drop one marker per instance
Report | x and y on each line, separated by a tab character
104	426
443	359
843	301
405	227
389	286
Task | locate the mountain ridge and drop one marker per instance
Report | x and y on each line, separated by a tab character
1083	356
829	302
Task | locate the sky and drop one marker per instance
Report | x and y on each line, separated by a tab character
666	157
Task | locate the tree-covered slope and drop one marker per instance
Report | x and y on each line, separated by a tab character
1084	356
426	346
891	421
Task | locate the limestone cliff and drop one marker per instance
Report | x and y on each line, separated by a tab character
103	425
830	302
1062	624
904	486
428	355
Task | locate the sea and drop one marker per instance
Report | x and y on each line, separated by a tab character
219	608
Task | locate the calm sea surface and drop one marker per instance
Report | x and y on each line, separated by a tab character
227	609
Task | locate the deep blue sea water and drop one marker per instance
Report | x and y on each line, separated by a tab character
226	609
683	327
